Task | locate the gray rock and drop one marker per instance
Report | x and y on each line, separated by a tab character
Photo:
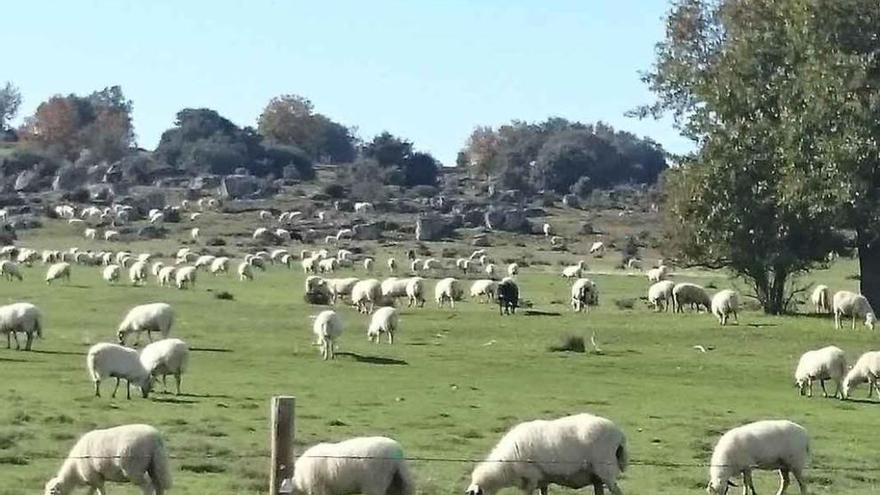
511	220
27	181
204	182
243	186
433	228
481	240
70	177
152	232
369	232
586	228
100	193
147	201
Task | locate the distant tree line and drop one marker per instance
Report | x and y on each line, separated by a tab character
561	156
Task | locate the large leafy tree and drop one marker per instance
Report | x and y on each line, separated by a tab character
292	120
10	99
402	165
747	81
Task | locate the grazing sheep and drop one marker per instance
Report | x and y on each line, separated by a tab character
687	293
194	216
430	264
447	289
9	270
344	234
392	265
138	272
245	272
106	360
384	320
340	287
508	296
512	270
477	254
633	264
848	303
484	287
573	452
866	369
328	265
277	254
156	268
463	264
327	327
584	293
58	271
194	233
366	294
368	465
220	265
111	235
827	363
111	273
265	215
368	265
574	271
660	295
598	249
309	265
363	207
167	276
415	292
204	261
90	233
725	303
414	266
821	298
153	317
313	282
282	234
557	241
260	233
166	357
21	318
658	274
766	445
547	230
185	277
490	270
393	287
123	454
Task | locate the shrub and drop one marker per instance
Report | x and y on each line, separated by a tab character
423	191
569	343
625	304
334	190
224	296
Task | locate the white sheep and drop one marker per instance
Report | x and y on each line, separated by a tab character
490	270
340	287
327	327
477	254
194	216
597	249
827	363
110	273
447	289
167	276
166	357
415	265
415	291
821	299
392	265
848	303
573	452
153	317
328	265
123	454
21	318
368	465
658	274
767	445
310	264
368	265
185	277
547	230
866	369
194	233
58	271
384	320
9	270
265	215
138	272
106	360
484	287
344	234
260	232
430	264
90	233
512	270
725	303
277	254
463	264
220	265
393	287
363	207
204	261
584	293
660	295
156	267
111	235
245	272
688	293
366	294
574	271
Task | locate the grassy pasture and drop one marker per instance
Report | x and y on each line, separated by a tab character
455	381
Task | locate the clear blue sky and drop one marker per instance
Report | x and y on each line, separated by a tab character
426	70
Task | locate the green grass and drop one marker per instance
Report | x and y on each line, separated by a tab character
451	386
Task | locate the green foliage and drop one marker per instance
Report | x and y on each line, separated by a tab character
401	164
10	100
561	156
202	142
291	120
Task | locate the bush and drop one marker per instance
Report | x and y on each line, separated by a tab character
423	191
216	241
334	190
224	296
625	304
569	343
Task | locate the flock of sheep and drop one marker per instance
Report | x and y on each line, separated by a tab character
575	451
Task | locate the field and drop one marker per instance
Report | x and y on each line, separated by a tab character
447	390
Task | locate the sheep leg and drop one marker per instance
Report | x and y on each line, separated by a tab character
141	482
748	483
30	341
836	320
97	388
165	386
8	340
854	322
390	337
177	379
127	389
15	338
784	481
115	389
614	488
799	477
824	392
810	387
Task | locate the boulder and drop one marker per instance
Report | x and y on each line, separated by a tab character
147	201
69	178
27	181
511	220
535	212
244	186
369	232
473	218
101	193
586	228
433	228
481	240
571	201
204	182
152	232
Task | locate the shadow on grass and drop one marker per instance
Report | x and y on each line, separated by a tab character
174	400
206	396
761	325
59	353
535	312
13	360
870	402
374	359
209	349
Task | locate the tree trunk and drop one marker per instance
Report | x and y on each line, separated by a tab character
869	267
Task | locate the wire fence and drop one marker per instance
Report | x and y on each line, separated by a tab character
465	460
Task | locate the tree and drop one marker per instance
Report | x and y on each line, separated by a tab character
401	164
10	100
291	120
737	75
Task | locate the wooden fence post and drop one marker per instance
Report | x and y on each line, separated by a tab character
283	415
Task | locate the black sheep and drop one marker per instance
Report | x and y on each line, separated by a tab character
508	297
